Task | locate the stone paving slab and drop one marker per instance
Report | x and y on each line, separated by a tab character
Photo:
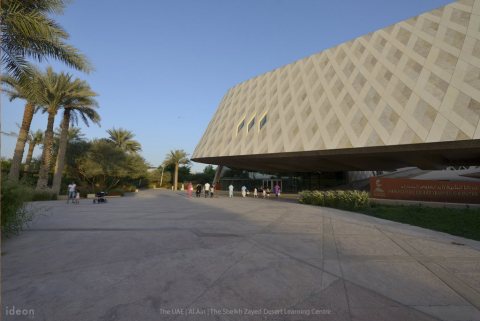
162	256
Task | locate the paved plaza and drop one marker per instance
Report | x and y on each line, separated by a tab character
161	256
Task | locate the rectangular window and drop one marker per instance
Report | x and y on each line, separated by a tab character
250	125
239	128
263	121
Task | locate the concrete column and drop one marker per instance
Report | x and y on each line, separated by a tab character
218	174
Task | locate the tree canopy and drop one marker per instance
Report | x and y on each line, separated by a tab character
105	165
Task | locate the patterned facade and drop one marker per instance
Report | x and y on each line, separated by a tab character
414	82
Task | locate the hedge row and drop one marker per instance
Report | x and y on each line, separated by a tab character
349	200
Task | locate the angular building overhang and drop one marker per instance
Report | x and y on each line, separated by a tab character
431	156
405	95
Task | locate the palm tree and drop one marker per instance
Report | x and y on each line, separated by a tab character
124	139
75	134
177	158
34	139
80	104
27	89
55	90
27	31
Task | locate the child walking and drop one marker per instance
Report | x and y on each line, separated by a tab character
77	197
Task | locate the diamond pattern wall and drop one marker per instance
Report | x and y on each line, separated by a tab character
414	82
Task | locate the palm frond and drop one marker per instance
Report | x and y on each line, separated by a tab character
27	31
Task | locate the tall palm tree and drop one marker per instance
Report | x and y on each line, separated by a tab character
54	91
28	31
27	89
34	139
80	104
177	158
124	139
75	134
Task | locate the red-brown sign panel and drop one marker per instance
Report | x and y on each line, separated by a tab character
425	190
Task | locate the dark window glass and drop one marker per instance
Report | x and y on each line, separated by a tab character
241	126
263	121
250	125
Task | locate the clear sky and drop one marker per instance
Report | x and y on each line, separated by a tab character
162	67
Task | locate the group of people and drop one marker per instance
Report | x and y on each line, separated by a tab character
73	193
265	191
207	190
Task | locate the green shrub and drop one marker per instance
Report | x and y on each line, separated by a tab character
129	189
116	192
43	196
14	212
348	200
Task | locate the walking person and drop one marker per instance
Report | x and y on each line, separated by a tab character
72	187
207	189
199	190
77	197
276	189
212	191
264	192
230	190
244	191
255	192
189	189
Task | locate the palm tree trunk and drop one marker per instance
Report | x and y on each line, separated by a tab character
31	147
62	149
42	182
14	173
175	182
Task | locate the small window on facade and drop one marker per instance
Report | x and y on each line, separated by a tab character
239	128
250	125
263	121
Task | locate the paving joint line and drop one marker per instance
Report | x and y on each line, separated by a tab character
450	280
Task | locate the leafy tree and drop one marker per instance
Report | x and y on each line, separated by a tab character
79	104
76	150
105	165
206	176
5	164
74	135
123	139
34	139
184	173
26	90
136	167
177	158
159	177
28	31
209	172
